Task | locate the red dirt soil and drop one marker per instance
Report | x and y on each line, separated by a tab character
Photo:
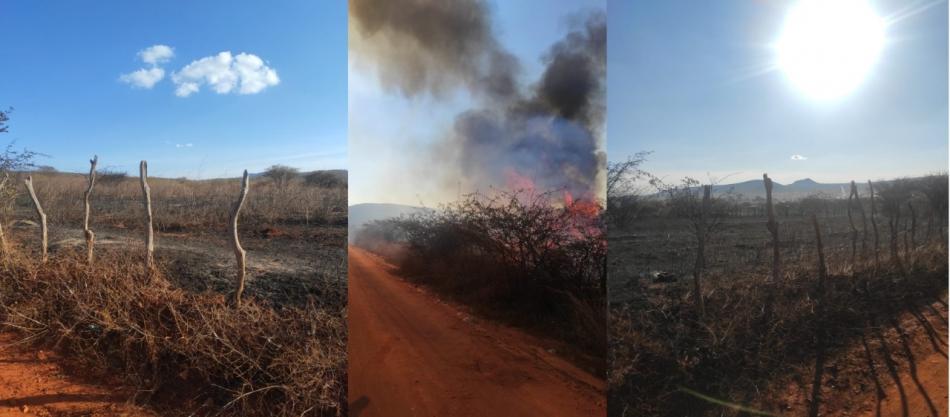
413	355
932	375
33	384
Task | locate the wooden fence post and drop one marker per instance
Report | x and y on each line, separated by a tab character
90	236
40	213
701	252
772	225
147	200
822	269
3	239
854	229
864	222
239	252
913	226
877	252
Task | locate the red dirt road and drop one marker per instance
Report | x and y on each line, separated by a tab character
412	355
932	376
31	384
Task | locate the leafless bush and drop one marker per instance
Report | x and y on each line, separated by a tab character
324	179
281	175
110	177
659	344
196	351
625	191
192	205
540	263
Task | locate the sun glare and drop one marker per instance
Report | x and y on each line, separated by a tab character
827	47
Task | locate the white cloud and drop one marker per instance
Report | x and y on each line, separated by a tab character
183	145
797	157
156	54
143	78
223	72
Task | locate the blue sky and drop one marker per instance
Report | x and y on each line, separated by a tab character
387	129
62	62
683	82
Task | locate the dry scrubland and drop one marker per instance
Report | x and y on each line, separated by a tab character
515	257
807	343
173	333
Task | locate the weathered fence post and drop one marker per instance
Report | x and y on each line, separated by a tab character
701	252
40	213
913	226
773	229
147	200
864	222
822	270
239	252
854	229
877	252
820	331
90	236
3	239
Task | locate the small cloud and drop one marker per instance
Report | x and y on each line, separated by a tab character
223	73
143	78
148	77
184	145
156	54
797	157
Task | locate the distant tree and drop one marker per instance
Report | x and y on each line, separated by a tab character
694	202
109	177
624	197
894	195
281	175
46	169
4	118
324	179
934	187
11	162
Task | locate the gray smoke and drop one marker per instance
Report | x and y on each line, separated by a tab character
544	136
433	46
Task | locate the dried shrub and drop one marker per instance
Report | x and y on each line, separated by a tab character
659	345
196	352
515	256
193	205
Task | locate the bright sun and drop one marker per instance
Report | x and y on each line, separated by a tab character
827	47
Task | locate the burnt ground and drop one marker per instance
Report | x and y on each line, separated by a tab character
286	264
888	360
741	246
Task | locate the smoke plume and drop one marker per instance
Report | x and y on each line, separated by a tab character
544	136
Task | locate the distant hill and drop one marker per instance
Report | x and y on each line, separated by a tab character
361	214
798	189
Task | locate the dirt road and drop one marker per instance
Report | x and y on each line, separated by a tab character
412	355
31	384
917	395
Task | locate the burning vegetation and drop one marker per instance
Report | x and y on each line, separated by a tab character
522	254
548	133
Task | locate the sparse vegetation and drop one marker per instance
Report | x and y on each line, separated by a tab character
755	342
514	256
170	330
199	206
281	175
186	351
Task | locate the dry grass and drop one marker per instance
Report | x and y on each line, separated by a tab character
184	205
185	352
754	335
